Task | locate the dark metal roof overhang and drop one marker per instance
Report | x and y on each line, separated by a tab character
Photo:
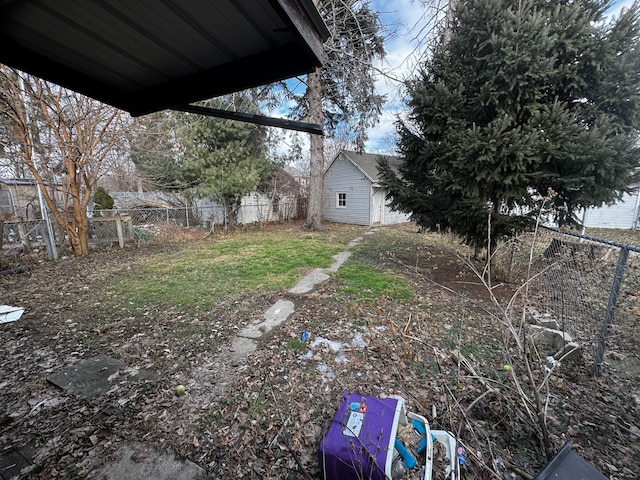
145	56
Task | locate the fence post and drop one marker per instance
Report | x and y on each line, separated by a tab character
49	237
119	230
608	318
24	239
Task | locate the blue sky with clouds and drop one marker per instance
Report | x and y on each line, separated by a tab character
407	25
408	29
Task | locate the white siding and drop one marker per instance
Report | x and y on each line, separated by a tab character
386	215
621	215
343	177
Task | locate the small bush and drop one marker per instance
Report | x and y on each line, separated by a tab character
102	200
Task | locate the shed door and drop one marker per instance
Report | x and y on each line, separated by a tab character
378	206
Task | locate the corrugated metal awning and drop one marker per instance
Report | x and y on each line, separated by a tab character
145	56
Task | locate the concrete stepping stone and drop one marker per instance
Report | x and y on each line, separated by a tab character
135	462
94	376
273	317
340	258
310	282
13	464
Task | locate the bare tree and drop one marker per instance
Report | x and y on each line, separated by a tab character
60	137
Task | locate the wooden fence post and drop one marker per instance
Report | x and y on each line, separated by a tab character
120	230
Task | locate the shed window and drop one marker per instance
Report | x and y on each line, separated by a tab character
341	201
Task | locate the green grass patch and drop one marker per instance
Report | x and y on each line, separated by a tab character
368	283
297	345
480	350
257	405
211	419
197	277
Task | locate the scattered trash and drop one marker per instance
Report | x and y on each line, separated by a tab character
377	439
10	314
334	346
304	336
553	363
462	456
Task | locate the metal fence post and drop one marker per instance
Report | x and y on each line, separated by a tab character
48	235
608	319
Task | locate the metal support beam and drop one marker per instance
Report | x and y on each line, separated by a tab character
252	118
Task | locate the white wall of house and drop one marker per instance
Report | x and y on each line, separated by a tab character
623	214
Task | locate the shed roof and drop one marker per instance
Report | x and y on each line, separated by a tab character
368	163
152	55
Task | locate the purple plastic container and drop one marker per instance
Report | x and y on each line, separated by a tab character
360	441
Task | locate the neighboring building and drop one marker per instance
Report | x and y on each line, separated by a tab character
19	198
299	176
623	214
352	191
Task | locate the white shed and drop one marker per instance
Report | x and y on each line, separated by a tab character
352	192
623	214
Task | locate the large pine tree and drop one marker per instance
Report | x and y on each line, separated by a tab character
223	160
523	97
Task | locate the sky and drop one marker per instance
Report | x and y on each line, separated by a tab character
409	28
406	23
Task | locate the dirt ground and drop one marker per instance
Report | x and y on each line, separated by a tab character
263	417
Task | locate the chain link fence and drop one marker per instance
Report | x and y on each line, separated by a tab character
205	217
140	225
23	235
589	286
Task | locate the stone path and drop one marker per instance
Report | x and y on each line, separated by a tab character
134	462
246	342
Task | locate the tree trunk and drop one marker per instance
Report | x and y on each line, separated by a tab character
80	238
314	211
73	225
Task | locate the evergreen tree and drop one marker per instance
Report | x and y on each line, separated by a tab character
524	97
154	149
102	200
223	160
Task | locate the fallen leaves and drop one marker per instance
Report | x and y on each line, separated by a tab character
265	416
